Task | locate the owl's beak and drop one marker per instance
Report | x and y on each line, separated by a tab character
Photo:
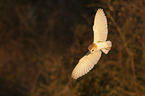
88	52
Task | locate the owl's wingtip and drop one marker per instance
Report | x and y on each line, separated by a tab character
100	9
74	77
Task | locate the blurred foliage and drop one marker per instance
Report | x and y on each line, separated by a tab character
41	41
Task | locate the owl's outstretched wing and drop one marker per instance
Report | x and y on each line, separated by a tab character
85	64
100	26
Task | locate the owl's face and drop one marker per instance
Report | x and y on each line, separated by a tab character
92	48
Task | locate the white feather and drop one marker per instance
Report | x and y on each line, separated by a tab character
105	51
105	44
100	26
85	64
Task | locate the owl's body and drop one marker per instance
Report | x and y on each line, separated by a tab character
98	46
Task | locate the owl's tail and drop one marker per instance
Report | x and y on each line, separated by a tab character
107	48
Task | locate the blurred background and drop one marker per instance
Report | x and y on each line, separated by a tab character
41	41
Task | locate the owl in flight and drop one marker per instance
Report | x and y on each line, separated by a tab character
98	46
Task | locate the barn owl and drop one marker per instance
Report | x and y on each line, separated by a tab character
98	46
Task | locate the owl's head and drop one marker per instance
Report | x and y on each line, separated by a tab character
92	48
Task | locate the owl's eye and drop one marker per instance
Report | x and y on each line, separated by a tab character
93	50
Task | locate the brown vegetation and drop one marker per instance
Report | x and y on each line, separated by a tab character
41	41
